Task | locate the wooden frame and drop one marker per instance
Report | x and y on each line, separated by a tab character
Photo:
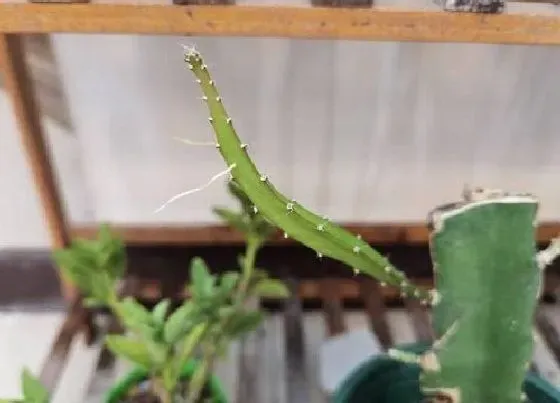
377	24
379	234
387	24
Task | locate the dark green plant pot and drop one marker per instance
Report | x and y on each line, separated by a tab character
384	380
137	375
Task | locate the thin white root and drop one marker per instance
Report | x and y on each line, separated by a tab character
546	256
199	189
195	143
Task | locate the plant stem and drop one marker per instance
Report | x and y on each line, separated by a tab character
209	351
159	390
189	346
253	245
199	379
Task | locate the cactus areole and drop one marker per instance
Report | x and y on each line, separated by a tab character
485	262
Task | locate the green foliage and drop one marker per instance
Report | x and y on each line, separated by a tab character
247	220
131	349
160	312
33	390
243	322
271	288
94	266
179	323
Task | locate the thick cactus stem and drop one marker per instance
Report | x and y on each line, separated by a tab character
326	238
484	253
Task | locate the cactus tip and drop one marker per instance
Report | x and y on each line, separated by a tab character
190	51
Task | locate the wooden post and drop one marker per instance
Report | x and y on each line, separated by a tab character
19	87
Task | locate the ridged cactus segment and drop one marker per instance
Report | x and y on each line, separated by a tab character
315	232
484	253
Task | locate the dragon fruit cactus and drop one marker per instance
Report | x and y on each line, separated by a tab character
487	270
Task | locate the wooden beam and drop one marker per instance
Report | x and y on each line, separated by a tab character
20	89
379	24
383	233
311	289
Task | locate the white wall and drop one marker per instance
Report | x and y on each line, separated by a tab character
359	131
20	216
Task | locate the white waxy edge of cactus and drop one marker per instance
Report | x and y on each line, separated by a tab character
439	217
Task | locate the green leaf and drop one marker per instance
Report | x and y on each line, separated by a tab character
229	281
33	390
178	323
103	286
157	351
191	341
263	228
238	193
112	253
201	279
233	219
131	349
137	318
134	312
244	323
271	288
225	311
160	311
169	377
73	269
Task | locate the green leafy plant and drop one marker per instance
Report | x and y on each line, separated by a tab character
487	268
33	390
163	340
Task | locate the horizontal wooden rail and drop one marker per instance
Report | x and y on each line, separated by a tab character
412	233
379	24
310	289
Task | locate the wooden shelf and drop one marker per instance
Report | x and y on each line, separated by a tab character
380	234
378	24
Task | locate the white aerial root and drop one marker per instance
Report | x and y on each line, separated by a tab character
546	256
199	189
195	143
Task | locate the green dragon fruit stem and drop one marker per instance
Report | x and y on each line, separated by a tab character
315	232
485	265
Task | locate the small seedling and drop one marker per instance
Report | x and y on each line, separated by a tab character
162	341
